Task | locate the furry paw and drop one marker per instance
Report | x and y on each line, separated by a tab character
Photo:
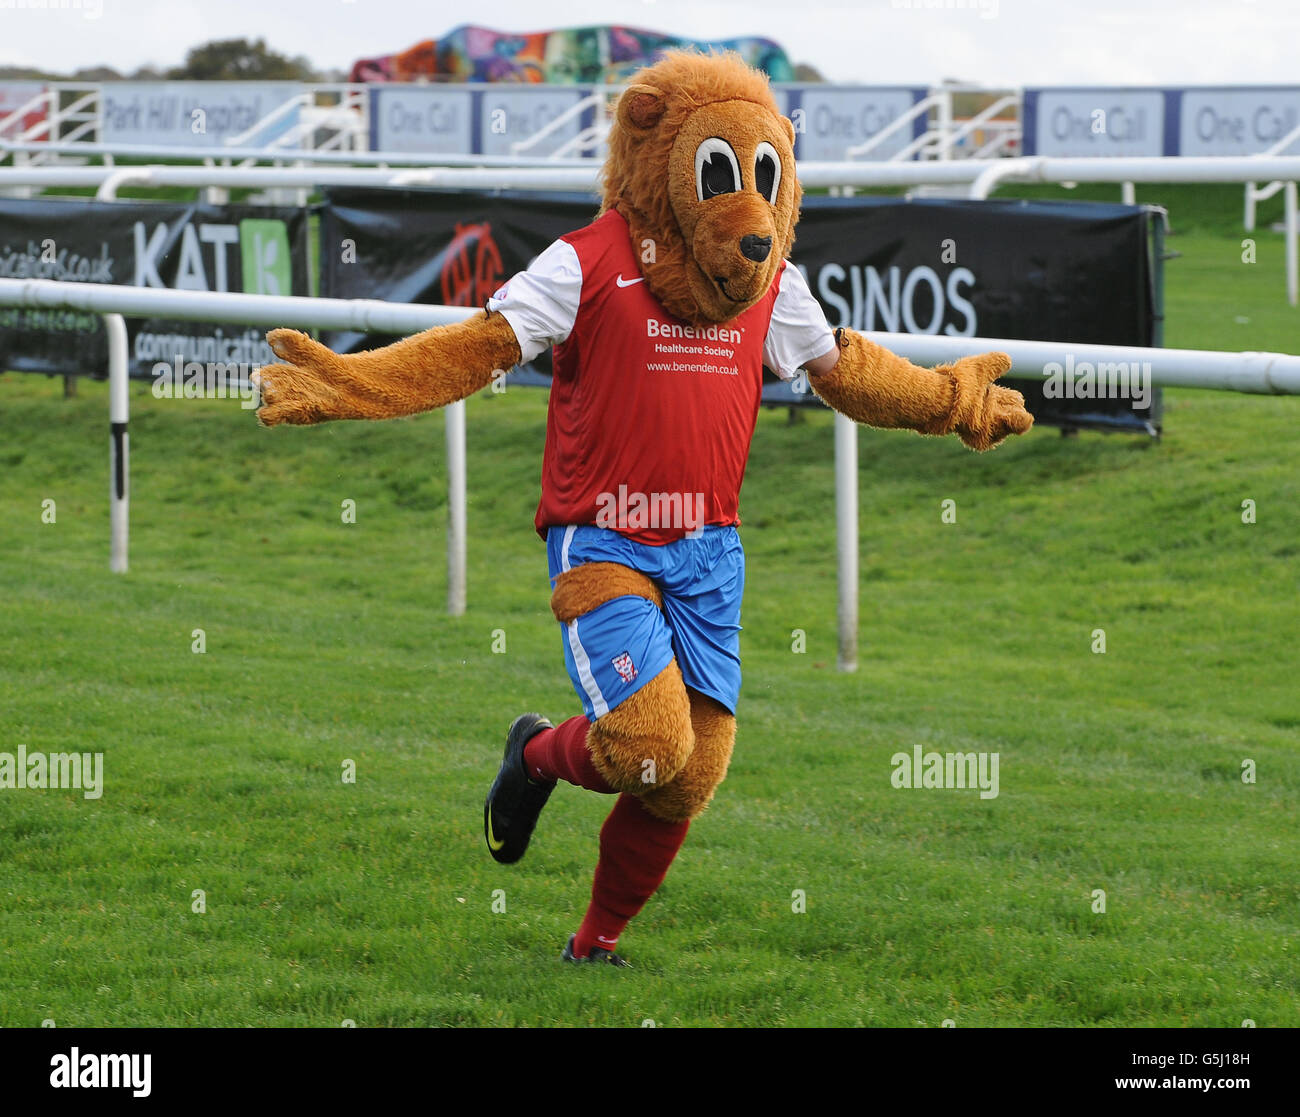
986	412
307	389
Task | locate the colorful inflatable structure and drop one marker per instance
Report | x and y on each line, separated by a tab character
578	54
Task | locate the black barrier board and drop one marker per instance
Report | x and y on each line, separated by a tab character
1077	271
195	247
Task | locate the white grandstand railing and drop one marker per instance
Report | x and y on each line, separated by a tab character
38	103
1262	194
591	137
349	117
942	137
291	107
85	113
1241	372
349	120
918	111
1002	137
984	119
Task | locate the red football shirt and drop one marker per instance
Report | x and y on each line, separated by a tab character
650	417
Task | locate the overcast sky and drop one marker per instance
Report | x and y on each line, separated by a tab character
1014	42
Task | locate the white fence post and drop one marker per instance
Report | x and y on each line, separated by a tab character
119	474
1292	246
846	538
454	420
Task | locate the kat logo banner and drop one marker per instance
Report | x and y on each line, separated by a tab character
179	246
264	254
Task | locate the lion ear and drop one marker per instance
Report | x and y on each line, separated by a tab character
640	108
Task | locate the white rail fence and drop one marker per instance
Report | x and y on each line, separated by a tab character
1273	373
1256	194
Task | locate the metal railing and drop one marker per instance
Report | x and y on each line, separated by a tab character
84	112
587	139
1262	194
348	118
940	101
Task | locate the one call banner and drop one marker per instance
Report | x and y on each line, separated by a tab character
1142	121
1072	271
191	247
491	119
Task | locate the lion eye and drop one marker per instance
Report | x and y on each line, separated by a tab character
767	171
716	169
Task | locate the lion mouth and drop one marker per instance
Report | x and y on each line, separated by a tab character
720	282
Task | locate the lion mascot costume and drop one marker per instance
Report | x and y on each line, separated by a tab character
662	314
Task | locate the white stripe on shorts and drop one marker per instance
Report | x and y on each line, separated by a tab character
580	658
564	547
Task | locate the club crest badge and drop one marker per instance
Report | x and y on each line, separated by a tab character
624	666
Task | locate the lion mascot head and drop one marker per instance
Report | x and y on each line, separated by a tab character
701	166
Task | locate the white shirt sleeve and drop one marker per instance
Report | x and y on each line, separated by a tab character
541	303
798	332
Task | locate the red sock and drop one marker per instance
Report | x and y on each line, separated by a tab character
636	849
562	754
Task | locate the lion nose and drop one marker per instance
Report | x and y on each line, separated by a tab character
755	248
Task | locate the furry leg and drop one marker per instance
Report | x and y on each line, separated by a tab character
690	791
641	744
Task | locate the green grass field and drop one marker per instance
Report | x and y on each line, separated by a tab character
328	642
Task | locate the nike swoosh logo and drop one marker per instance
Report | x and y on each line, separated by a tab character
629	282
491	836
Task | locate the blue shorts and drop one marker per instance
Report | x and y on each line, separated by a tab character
614	650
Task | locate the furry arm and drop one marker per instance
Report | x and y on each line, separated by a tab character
874	386
428	370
